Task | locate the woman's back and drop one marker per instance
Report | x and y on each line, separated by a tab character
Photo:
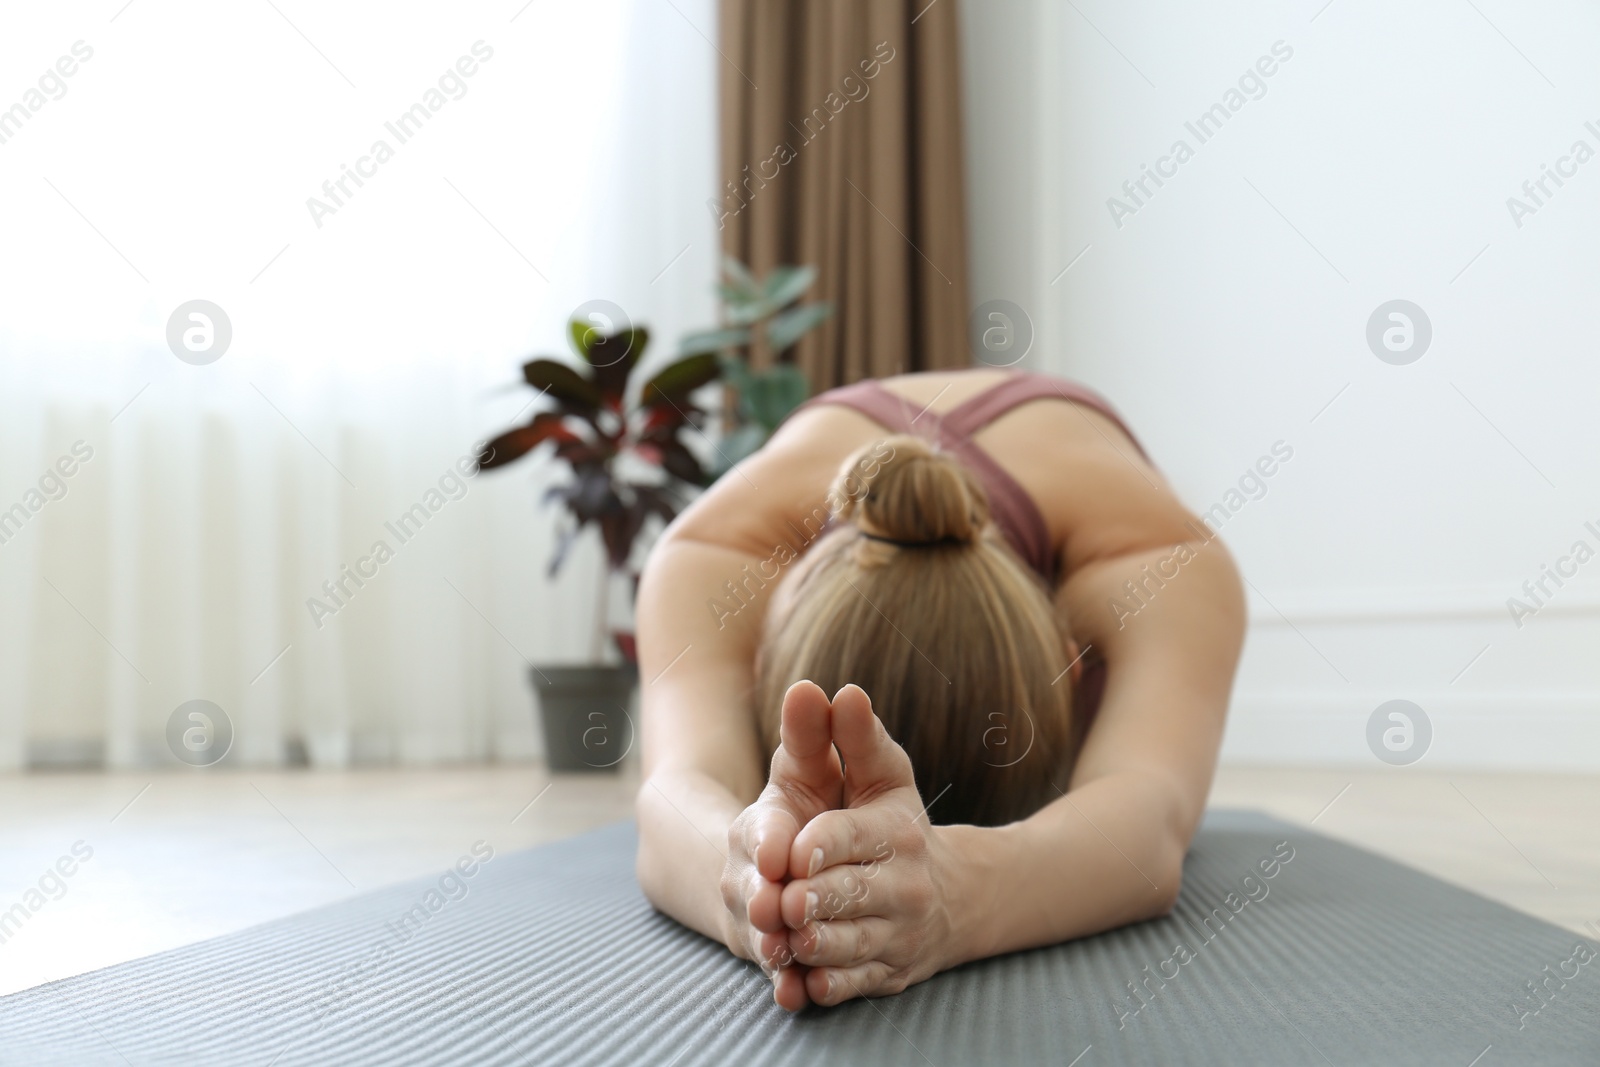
1087	480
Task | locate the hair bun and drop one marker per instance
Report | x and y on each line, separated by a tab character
902	491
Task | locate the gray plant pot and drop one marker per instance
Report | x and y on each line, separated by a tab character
587	726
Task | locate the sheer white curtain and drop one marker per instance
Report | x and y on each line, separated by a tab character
163	524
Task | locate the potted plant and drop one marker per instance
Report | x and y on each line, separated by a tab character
599	431
761	383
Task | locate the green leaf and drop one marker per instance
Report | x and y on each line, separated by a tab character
745	313
789	326
786	285
735	373
713	341
680	379
583	335
743	281
561	383
733	296
775	393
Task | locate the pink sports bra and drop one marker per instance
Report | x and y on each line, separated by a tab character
1015	513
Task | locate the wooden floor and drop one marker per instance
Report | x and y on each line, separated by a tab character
1531	841
181	857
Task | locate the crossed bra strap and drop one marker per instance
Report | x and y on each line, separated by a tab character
1014	511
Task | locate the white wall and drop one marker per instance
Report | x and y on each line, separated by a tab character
1228	310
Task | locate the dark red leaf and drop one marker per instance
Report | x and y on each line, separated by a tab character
620	528
612	358
562	384
564	539
514	444
665	420
579	452
594	495
679	462
675	382
656	500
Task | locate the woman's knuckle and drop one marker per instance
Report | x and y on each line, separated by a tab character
863	945
860	839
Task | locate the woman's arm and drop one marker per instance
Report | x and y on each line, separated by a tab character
1158	597
1111	850
715	823
714	832
902	900
701	755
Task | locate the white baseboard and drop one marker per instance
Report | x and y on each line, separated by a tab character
1316	606
1318	661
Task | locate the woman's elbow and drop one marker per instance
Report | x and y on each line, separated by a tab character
647	864
1167	898
1168	877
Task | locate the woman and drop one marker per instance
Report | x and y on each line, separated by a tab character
939	673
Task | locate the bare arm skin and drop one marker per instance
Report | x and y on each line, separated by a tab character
713	855
708	807
1111	851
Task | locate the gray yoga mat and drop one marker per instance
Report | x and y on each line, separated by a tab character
552	956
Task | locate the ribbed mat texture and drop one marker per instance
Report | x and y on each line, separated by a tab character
1286	948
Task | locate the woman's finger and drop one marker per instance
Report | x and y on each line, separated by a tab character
772	951
840	942
844	892
789	989
763	904
805	768
872	760
803	728
858	835
835	985
805	778
769	837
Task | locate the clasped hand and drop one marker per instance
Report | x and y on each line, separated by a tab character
835	878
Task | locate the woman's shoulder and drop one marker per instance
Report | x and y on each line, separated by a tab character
780	488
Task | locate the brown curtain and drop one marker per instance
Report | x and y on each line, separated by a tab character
841	148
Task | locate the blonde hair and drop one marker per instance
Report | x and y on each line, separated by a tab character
914	596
